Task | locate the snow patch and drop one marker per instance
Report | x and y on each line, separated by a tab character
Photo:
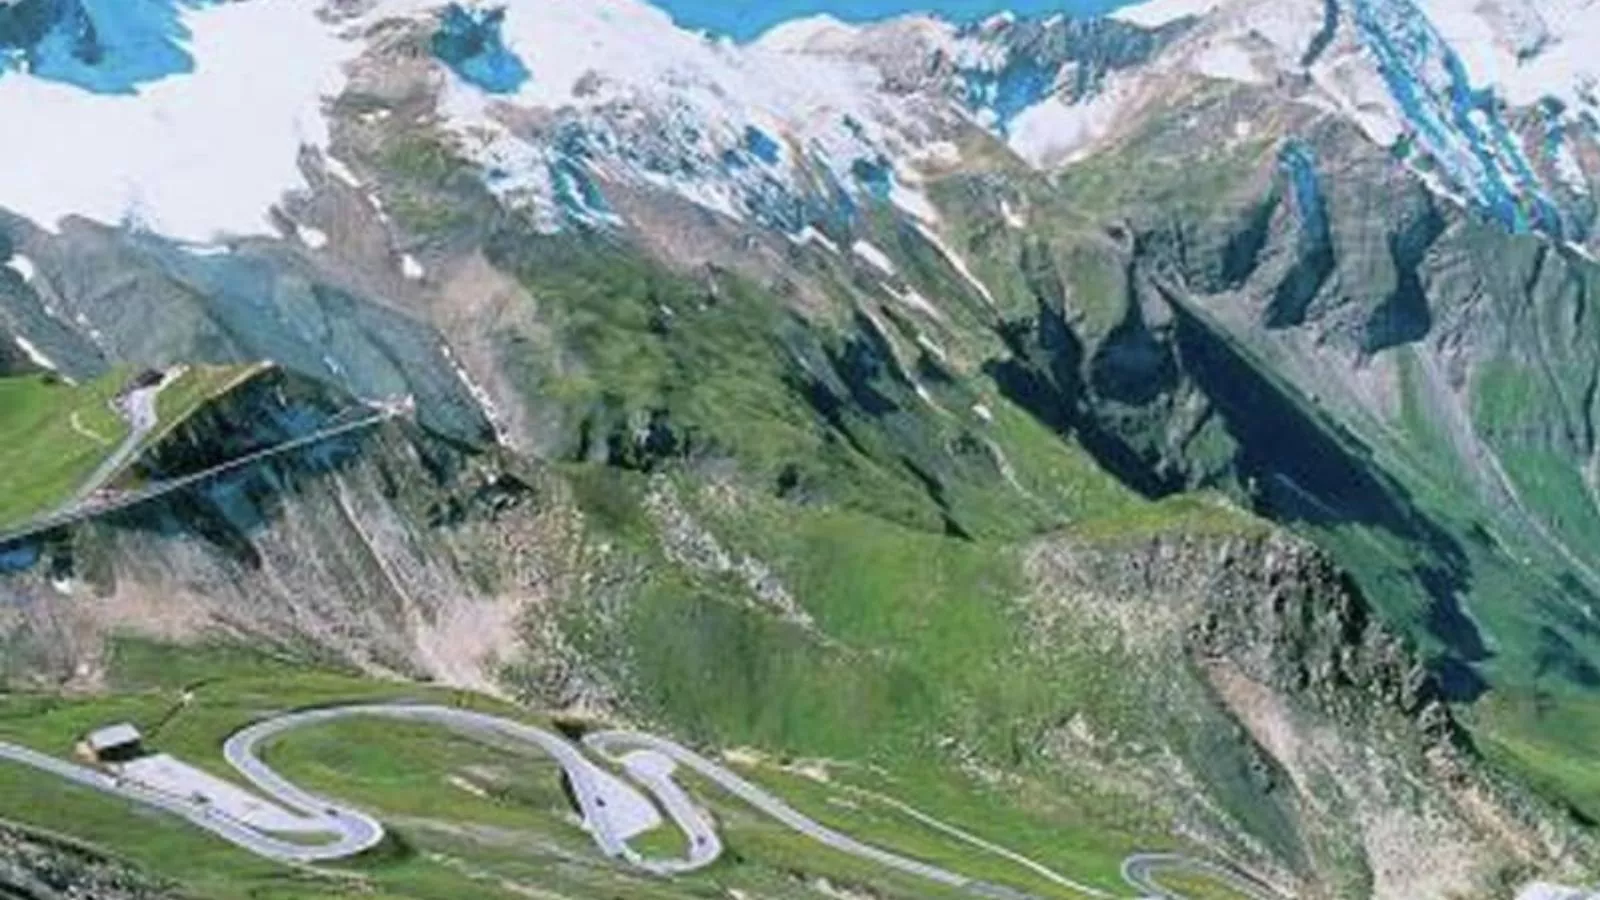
1056	132
23	266
339	170
813	34
1527	50
190	156
638	99
33	353
1012	218
485	402
1540	890
913	202
1569	170
206	249
315	238
1156	13
810	235
873	256
957	263
1228	61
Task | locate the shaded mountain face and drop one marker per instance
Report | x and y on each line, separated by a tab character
911	375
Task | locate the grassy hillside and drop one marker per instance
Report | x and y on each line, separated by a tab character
481	818
52	436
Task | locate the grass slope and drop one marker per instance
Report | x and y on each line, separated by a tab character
52	436
466	817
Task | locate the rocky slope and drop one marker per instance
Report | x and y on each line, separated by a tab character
393	550
36	867
1280	645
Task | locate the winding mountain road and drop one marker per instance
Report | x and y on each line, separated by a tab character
611	807
1140	870
606	742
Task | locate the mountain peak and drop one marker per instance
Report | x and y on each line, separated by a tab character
812	34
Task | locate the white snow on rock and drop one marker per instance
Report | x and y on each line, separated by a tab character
668	105
315	238
957	263
339	170
1526	48
1540	890
480	394
810	235
23	266
1054	132
206	155
33	353
813	34
939	153
191	156
1568	170
873	256
206	249
906	194
411	268
1156	13
1012	217
1228	61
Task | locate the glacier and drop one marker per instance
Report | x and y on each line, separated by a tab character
469	42
191	156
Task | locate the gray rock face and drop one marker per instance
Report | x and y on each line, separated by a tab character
34	867
1335	712
102	296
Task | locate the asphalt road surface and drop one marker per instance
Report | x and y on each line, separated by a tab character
611	807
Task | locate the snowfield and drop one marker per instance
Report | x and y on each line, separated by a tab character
192	157
781	132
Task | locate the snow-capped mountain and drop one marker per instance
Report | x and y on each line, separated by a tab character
724	357
188	118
